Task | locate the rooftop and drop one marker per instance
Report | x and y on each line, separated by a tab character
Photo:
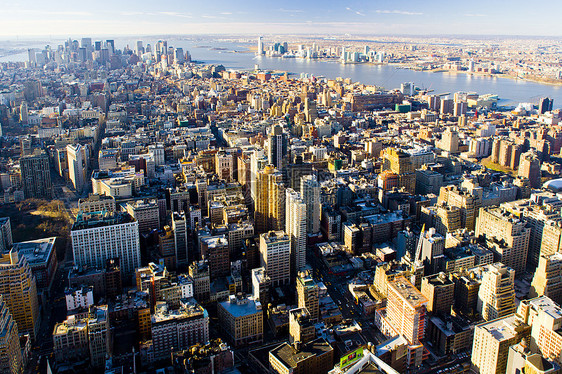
37	251
239	306
407	291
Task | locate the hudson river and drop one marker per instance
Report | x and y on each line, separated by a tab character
235	56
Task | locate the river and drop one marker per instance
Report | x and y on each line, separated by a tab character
236	56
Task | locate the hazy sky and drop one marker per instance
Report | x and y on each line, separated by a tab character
144	17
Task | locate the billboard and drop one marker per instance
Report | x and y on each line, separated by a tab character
351	358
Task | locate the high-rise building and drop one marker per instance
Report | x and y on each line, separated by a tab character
77	156
36	176
215	250
295	222
276	146
508	234
537	217
399	163
179	227
496	296
469	201
530	168
492	340
275	253
99	335
178	329
270	201
145	212
431	246
260	46
316	356
308	294
545	105
97	203
406	309
301	326
98	237
11	361
547	280
199	272
241	318
261	284
18	288
449	141
6	240
439	291
310	192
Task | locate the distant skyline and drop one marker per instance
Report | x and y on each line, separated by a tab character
142	17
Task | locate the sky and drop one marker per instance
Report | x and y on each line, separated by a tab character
376	17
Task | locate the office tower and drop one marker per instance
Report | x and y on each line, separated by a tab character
316	357
547	280
447	106
6	241
276	146
468	200
429	251
270	200
301	326
86	43
96	203
537	217
492	341
530	168
215	250
295	222
241	318
70	339
99	335
506	234
18	288
199	272
439	291
11	361
224	165
449	141
36	176
261	284
496	296
275	253
110	45
544	316
98	237
260	46
178	329
179	227
308	294
77	157
310	111
24	112
398	162
406	309
459	108
145	212
310	192
140	49
545	105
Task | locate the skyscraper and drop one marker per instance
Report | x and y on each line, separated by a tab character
98	237
277	146
260	46
496	296
77	158
307	294
295	223
545	105
179	227
275	252
492	341
11	361
36	176
530	168
406	309
310	192
18	288
270	200
547	280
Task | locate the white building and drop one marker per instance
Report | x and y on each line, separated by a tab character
77	156
295	226
275	253
80	298
97	237
310	192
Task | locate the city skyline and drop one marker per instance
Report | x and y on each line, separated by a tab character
34	18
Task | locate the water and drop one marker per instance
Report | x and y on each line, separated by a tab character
510	91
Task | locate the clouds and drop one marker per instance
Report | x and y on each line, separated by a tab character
401	12
355	11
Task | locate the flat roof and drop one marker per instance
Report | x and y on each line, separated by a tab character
291	358
36	252
407	291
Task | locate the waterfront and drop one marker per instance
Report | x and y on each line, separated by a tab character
237	56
